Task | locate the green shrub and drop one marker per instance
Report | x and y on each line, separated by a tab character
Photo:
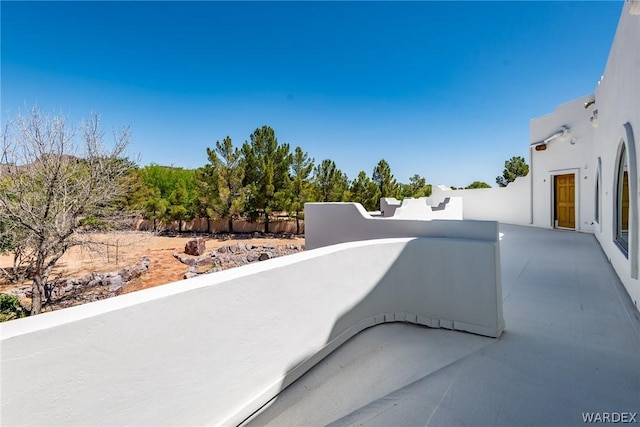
10	308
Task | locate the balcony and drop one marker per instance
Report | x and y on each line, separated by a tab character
571	346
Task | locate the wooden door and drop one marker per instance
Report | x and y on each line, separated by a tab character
565	200
625	202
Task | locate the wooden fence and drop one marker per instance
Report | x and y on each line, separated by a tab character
199	225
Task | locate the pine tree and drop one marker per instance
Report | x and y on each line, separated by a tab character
206	193
383	177
223	179
331	184
513	168
365	191
301	168
266	178
417	187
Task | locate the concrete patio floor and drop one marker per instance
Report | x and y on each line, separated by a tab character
571	346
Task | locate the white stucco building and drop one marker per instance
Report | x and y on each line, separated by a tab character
583	163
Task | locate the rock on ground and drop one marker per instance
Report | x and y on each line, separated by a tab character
90	287
236	255
195	246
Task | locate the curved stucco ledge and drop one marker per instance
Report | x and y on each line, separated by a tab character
338	222
212	350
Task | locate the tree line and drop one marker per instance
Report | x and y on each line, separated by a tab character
263	177
256	180
53	189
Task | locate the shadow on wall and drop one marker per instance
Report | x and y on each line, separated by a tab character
378	369
413	291
420	208
246	335
509	205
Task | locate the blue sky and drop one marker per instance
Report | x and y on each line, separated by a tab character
442	89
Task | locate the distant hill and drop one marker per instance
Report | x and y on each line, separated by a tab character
66	158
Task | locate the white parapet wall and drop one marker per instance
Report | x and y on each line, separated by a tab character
419	208
510	204
213	349
448	208
413	209
331	223
388	206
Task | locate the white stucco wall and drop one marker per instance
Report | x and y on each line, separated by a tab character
420	208
564	157
214	349
510	204
597	144
618	103
413	209
449	208
332	223
388	206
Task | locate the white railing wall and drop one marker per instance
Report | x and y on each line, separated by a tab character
510	204
419	208
331	223
213	349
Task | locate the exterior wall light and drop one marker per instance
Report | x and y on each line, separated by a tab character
561	134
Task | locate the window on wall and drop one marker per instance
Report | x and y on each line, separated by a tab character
622	202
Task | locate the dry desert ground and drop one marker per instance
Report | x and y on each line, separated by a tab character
112	251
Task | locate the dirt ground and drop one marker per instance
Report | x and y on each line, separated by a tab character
113	251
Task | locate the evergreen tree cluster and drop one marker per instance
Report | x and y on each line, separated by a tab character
258	180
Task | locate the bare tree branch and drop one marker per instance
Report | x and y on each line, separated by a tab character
51	185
